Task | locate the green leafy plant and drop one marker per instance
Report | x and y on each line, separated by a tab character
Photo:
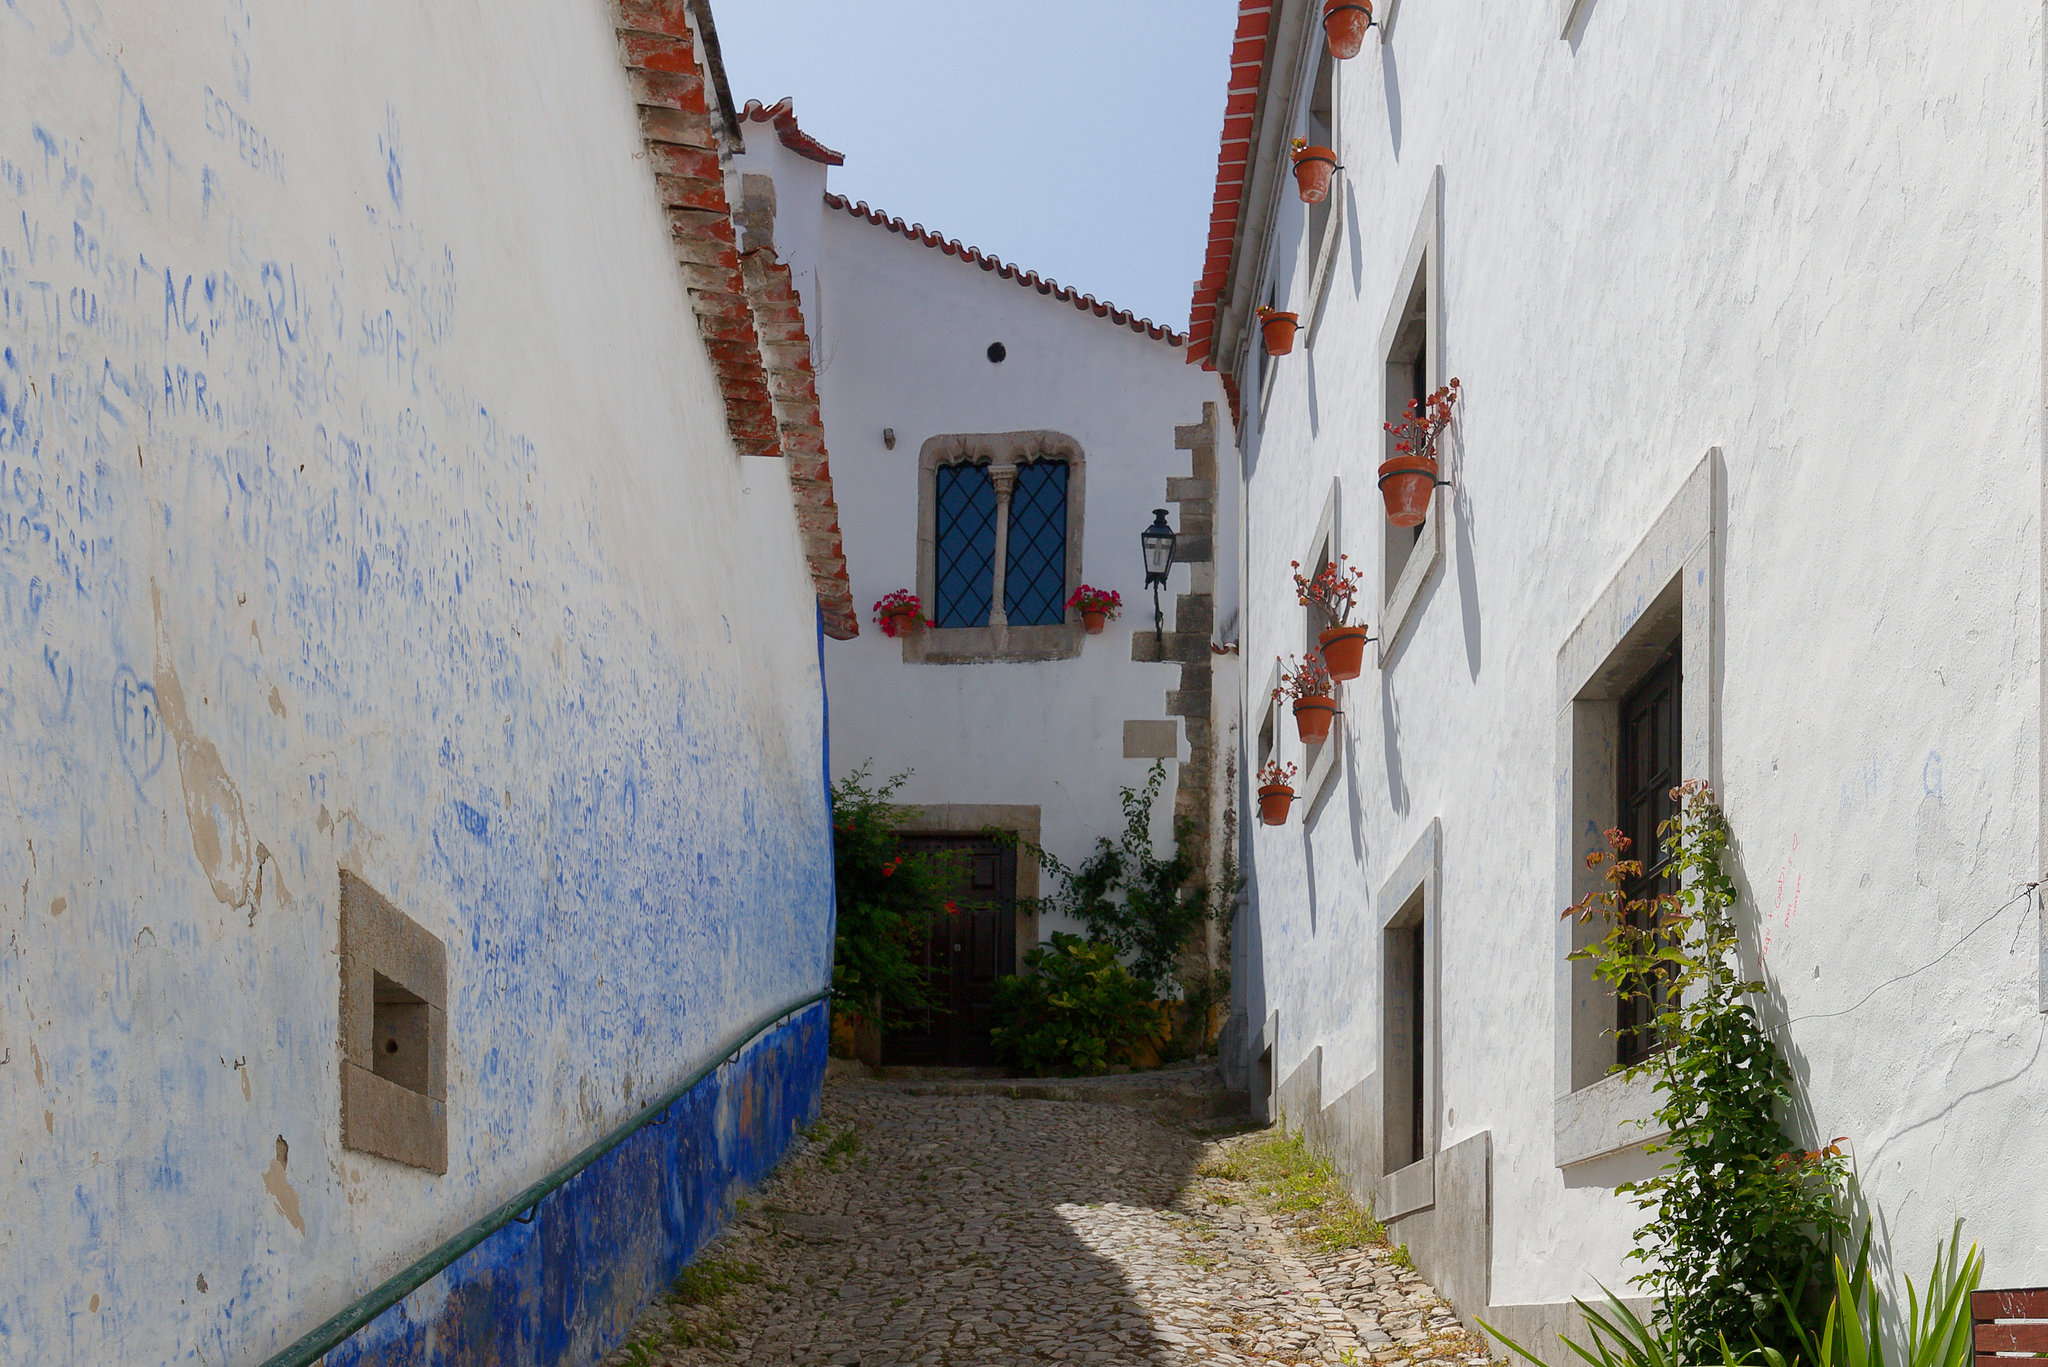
1741	1221
1938	1327
1075	1009
1849	1332
1127	896
887	902
1619	1338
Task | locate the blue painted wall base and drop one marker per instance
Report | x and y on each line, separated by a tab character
565	1289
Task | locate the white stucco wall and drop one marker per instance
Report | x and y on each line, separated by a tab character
366	502
903	345
1812	239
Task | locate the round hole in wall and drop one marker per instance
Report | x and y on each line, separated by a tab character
391	1046
996	351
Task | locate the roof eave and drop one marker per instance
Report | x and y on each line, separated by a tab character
1287	49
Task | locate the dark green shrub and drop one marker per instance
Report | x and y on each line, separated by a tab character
887	900
1075	1009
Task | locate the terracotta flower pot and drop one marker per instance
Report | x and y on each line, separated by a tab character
1312	168
1344	651
1279	330
899	623
1406	483
1092	619
1345	23
1274	800
1312	718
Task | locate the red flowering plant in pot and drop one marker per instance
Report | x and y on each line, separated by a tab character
1409	477
1313	165
898	613
1276	791
1344	24
1096	607
1278	329
1334	589
1313	692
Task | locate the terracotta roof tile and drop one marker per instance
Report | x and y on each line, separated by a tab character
666	74
1247	61
792	387
1087	303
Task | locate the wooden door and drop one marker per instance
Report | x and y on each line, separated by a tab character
965	951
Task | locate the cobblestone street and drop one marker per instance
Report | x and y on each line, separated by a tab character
984	1229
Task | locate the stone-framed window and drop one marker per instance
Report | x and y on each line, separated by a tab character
1410	1028
1325	227
1658	607
394	1031
1319	761
999	547
1411	345
1266	367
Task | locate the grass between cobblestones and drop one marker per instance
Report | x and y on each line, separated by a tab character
1290	1178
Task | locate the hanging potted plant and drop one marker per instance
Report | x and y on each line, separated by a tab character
1096	606
1278	328
1314	694
1276	792
898	613
1409	477
1344	24
1312	168
1334	589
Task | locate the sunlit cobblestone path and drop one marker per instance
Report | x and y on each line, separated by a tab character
958	1230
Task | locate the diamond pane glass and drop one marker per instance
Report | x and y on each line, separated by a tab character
1035	571
966	569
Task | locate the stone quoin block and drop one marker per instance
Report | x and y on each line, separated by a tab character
1151	740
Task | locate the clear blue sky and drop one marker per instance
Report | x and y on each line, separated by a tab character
1076	138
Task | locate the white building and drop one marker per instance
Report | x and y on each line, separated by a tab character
1746	305
998	440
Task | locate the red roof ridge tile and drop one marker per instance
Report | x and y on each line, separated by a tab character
952	246
783	115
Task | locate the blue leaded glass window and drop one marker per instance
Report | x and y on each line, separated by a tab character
1035	570
966	578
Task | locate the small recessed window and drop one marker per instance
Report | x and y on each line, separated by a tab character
1411	347
1326	217
1411	1029
1404	969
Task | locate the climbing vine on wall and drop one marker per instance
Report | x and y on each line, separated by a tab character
1129	896
1738	1213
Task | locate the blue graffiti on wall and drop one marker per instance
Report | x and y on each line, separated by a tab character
276	580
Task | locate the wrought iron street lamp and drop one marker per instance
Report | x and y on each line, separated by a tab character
1157	540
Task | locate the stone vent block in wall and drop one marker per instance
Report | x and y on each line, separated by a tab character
394	1032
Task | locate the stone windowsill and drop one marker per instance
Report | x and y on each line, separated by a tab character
1610	1116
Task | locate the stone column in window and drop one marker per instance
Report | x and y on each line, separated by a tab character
1004	478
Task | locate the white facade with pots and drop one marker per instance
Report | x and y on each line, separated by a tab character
1747	309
